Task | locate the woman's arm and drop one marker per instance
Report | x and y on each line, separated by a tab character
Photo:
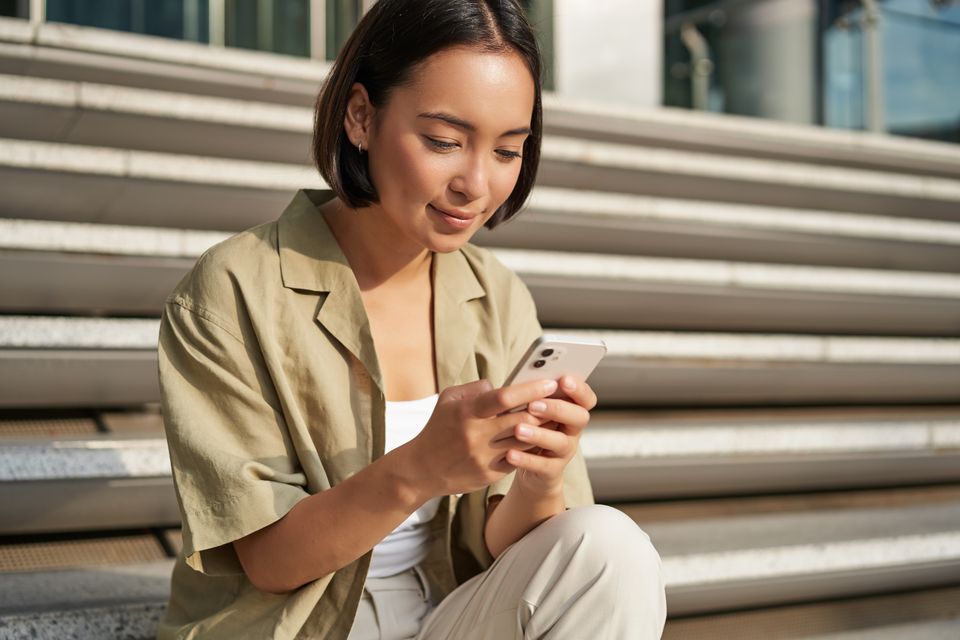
331	529
512	516
460	449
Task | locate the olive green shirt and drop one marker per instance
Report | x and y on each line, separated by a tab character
271	392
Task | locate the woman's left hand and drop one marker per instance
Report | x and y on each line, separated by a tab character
540	469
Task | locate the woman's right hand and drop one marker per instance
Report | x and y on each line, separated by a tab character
463	446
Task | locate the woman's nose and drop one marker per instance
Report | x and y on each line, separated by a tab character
473	178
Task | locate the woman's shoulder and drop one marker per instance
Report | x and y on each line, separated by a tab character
222	272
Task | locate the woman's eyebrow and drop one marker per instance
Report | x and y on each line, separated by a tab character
460	123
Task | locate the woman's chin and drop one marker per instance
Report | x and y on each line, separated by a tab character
448	244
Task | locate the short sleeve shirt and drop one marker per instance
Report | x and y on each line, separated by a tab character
271	391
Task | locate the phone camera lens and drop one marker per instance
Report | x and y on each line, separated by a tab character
539	363
546	353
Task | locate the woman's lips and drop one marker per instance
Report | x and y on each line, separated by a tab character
453	221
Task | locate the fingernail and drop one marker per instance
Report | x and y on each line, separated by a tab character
524	431
569	384
538	405
550	386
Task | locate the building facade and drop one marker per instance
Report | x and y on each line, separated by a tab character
879	65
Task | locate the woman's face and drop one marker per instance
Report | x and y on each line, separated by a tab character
452	139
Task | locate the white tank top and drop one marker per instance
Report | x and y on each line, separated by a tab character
408	544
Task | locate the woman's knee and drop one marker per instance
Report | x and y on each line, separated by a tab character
610	532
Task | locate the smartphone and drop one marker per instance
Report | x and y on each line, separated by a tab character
553	356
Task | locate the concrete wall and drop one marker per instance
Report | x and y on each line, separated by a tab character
609	50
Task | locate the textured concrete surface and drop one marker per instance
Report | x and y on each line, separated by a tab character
66	459
932	630
93	587
134	333
643	440
735	275
23	332
599	205
126	622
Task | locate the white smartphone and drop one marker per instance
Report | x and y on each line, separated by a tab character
553	356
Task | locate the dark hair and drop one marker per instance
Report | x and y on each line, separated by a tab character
382	53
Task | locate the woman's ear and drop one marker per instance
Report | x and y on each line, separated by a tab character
358	120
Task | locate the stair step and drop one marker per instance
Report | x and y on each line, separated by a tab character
122	479
834	549
609	291
186	190
72	53
737	561
687	129
597	222
918	615
112	362
120	116
89	113
91	587
48	426
596	290
31	555
97	184
85	483
659	454
626	224
119	621
621	168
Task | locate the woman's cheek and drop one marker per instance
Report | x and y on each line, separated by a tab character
425	167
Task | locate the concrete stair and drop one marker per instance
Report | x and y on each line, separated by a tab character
780	408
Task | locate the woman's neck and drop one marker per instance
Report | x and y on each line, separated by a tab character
378	253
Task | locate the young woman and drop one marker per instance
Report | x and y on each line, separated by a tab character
342	452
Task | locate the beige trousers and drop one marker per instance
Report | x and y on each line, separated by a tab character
588	573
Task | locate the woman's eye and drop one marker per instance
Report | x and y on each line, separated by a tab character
507	156
440	144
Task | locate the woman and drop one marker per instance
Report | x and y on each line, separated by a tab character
344	461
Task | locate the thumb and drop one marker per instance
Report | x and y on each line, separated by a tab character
465	391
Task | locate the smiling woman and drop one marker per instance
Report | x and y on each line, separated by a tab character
345	464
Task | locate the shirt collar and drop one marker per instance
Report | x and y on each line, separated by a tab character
312	260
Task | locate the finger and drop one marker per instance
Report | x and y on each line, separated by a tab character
512	443
562	411
505	422
497	401
508	432
555	443
537	464
579	391
468	390
501	465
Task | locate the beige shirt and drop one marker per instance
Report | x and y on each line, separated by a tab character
271	392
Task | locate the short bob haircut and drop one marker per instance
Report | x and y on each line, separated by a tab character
383	53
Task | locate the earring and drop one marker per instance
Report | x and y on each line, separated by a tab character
360	148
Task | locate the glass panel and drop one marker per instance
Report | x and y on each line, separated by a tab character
540	14
342	17
805	61
180	19
279	26
747	58
844	89
15	8
921	83
921	59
